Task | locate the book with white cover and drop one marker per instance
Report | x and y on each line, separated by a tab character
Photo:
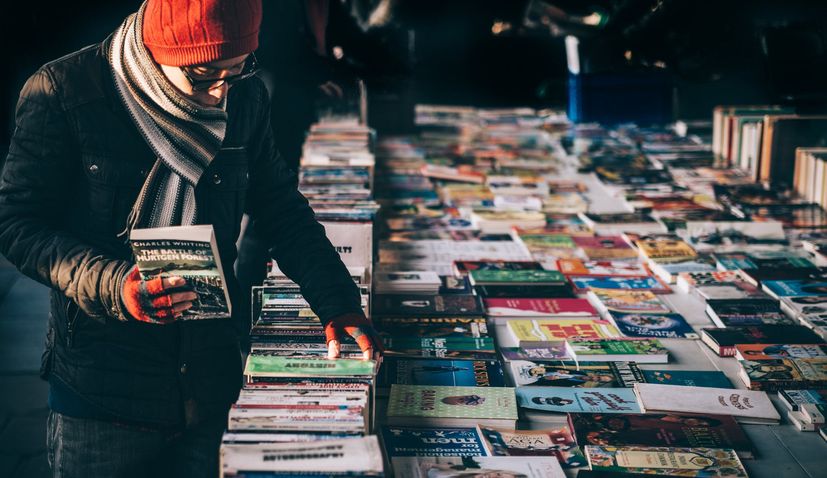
747	406
360	456
473	466
190	252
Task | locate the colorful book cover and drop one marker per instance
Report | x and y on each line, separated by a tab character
780	351
433	401
464	267
551	330
584	284
724	340
777	374
733	261
796	288
580	375
264	364
710	278
577	267
557	442
504	307
468	344
688	378
605	247
477	466
516	277
585	349
469	373
636	301
660	250
410	441
653	325
660	429
573	400
795	398
548	351
695	462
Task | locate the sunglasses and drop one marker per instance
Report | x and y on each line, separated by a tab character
249	69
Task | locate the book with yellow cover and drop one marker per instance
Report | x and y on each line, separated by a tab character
551	330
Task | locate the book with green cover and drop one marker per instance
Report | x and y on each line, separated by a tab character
638	350
262	364
450	406
489	277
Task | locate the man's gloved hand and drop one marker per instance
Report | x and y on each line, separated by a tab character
157	300
357	326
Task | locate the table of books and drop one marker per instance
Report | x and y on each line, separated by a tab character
552	298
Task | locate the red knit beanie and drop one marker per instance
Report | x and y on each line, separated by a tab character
193	32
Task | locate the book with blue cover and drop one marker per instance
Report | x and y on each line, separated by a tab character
689	378
670	326
469	373
584	284
796	287
574	400
442	441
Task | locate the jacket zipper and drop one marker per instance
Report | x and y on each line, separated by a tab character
70	323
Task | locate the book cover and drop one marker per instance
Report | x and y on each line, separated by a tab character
577	267
432	327
793	399
653	325
688	378
263	364
661	250
638	350
735	312
723	341
410	441
477	466
696	462
776	374
190	252
779	351
557	442
605	247
632	301
527	291
796	288
570	400
426	305
524	277
584	284
468	373
580	375
660	429
551	330
431	401
548	351
748	406
464	267
528	307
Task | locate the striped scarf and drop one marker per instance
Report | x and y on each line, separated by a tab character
184	135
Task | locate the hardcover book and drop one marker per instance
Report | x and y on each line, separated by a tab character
428	405
747	406
697	462
653	325
661	429
190	252
569	400
410	441
557	442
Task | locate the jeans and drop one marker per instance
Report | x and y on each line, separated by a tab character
86	448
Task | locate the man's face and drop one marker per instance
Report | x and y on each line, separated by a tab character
215	70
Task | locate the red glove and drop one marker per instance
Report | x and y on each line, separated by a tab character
357	326
157	300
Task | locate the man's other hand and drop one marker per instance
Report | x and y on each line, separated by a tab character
357	326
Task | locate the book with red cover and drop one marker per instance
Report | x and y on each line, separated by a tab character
660	429
533	308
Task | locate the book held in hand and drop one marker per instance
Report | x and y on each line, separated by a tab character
190	252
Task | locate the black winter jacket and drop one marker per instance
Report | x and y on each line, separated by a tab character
75	165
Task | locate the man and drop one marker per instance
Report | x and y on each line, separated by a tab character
161	124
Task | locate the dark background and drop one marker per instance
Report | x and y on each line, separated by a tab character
732	51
